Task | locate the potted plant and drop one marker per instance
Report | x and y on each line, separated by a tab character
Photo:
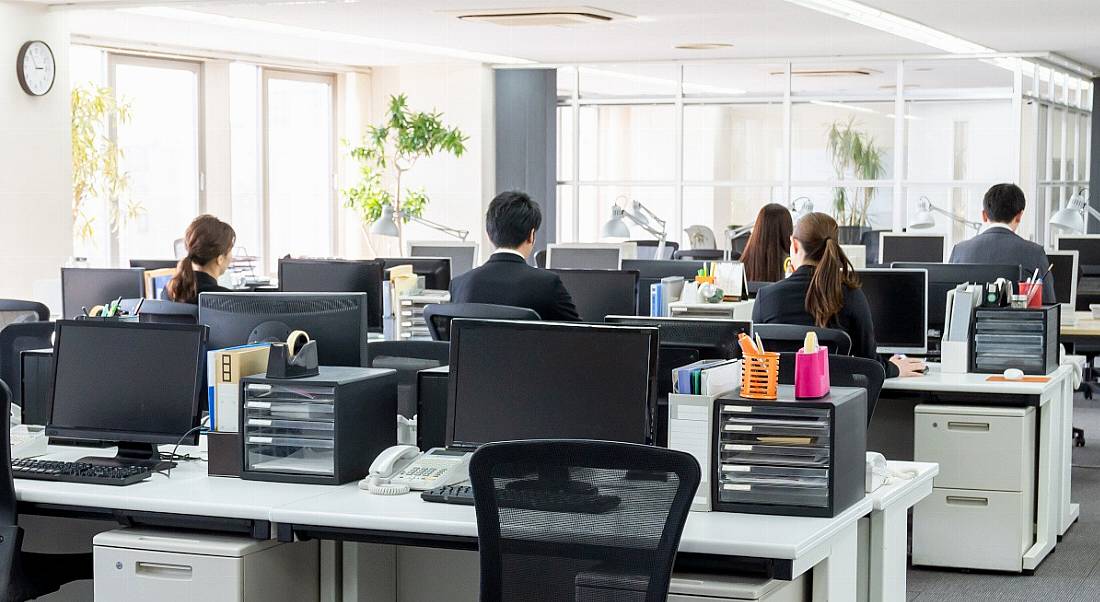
97	158
854	154
393	148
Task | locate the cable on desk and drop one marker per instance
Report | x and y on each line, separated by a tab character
174	456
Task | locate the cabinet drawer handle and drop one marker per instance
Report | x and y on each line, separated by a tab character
163	571
960	500
968	426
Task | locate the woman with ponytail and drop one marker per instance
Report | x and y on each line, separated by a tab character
209	243
824	291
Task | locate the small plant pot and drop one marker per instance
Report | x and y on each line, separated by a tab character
852	235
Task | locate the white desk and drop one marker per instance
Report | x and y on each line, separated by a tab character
1053	401
888	539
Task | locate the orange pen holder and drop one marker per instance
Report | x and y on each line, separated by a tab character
760	375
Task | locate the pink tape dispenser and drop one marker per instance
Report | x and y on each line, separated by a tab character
811	370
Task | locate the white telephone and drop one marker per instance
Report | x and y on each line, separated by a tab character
403	468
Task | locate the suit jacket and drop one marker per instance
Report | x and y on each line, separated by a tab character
204	283
506	279
1003	246
785	303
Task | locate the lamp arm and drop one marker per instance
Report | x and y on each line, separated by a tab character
1093	212
649	214
455	232
958	219
660	234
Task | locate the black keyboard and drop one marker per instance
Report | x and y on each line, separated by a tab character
78	472
462	495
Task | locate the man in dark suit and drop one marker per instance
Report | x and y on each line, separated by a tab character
1003	207
505	279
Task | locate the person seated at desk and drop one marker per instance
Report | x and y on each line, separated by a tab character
998	242
824	291
505	279
768	245
209	243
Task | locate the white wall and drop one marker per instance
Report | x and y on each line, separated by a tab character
36	178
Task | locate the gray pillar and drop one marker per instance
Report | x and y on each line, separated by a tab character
525	122
1094	168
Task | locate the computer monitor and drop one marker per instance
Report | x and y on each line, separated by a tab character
911	247
88	287
651	271
601	293
1088	251
138	384
336	276
337	321
154	264
435	270
943	277
1064	274
899	308
546	380
588	256
463	255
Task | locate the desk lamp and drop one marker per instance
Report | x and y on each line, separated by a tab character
925	218
1074	216
801	210
616	226
386	225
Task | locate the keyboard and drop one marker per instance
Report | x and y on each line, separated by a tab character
527	499
462	495
78	472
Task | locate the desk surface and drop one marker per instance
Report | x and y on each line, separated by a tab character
936	380
898	489
1084	325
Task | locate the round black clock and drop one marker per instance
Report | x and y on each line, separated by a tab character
36	68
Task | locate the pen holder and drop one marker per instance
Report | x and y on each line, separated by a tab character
1033	293
760	375
811	374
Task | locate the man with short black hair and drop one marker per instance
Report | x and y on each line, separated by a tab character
998	243
505	279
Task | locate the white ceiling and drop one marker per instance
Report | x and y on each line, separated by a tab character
756	28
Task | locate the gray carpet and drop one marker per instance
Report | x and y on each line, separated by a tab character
1071	572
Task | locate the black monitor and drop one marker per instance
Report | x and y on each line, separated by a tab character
651	271
435	270
601	293
336	276
88	287
546	380
899	308
911	247
337	321
943	277
1064	273
1088	251
463	255
138	384
154	264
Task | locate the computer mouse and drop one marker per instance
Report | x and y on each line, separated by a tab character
1014	374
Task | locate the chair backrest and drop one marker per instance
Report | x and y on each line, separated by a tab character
17	338
7	486
647	249
408	358
579	520
844	371
700	254
439	316
540	258
789	337
16	311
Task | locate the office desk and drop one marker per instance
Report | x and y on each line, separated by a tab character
887	538
1053	400
1085	329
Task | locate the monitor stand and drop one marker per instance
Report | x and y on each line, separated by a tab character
132	454
555	481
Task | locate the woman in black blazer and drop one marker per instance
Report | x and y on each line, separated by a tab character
824	291
209	243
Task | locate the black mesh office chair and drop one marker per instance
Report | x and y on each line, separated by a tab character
700	254
540	258
579	520
23	575
16	311
158	311
408	358
439	316
844	371
647	249
14	340
789	337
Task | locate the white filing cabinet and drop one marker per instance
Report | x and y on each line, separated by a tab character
171	566
981	513
720	588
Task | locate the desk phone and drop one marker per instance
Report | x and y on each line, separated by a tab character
402	468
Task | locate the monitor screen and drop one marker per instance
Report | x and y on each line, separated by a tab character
463	256
601	293
651	272
1087	247
336	276
1064	275
435	270
898	300
943	277
533	380
154	264
909	247
595	257
88	287
120	381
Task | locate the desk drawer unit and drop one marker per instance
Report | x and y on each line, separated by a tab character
981	512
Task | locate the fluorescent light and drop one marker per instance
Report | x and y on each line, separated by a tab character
840	105
194	16
662	81
909	117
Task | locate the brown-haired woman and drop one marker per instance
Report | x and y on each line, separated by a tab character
824	291
209	243
768	244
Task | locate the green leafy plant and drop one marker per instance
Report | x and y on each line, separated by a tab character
854	154
393	148
97	158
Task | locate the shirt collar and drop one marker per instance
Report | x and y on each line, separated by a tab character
512	251
994	225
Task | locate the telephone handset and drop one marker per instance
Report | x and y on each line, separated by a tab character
402	468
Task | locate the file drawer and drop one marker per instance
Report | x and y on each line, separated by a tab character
977	448
962	528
